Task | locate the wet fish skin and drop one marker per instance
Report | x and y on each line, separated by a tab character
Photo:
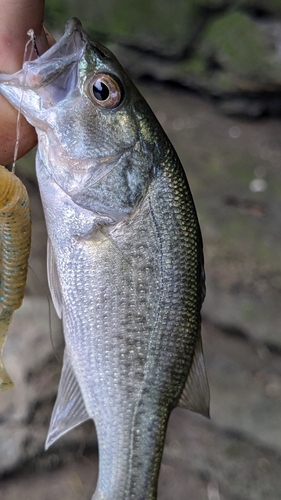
125	262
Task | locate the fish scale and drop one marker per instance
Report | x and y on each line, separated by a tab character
107	363
125	261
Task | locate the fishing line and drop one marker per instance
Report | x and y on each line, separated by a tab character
46	293
32	40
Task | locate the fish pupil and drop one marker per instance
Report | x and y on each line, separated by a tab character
100	91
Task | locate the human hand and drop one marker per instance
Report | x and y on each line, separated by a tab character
17	17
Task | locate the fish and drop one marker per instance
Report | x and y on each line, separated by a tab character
125	259
15	241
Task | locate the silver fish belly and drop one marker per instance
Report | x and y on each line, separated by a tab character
125	261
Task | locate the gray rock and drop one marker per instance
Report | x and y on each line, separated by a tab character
245	382
229	467
223	48
159	26
29	358
268	7
241	54
233	169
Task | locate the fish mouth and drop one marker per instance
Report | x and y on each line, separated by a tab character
32	89
56	59
61	55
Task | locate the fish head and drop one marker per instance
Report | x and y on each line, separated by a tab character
88	114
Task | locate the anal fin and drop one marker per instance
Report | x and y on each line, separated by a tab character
69	410
196	395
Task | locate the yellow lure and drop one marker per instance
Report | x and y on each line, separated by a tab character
15	239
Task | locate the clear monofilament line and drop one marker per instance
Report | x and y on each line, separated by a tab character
31	35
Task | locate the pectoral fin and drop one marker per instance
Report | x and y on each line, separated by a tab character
196	395
53	280
69	410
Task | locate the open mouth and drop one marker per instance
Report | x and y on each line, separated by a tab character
45	81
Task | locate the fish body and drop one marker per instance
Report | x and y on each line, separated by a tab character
15	239
125	262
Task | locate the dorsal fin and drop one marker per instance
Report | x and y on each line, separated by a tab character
196	395
69	410
53	280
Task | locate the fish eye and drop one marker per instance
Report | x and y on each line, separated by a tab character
104	90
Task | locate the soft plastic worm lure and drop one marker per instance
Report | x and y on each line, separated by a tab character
15	237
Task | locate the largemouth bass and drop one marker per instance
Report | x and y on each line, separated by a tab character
15	240
125	262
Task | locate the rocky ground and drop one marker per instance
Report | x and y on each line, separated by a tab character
227	49
234	171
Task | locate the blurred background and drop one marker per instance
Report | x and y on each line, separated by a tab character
211	71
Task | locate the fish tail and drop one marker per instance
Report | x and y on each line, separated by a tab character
5	319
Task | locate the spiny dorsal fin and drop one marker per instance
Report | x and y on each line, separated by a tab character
69	410
53	280
196	395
